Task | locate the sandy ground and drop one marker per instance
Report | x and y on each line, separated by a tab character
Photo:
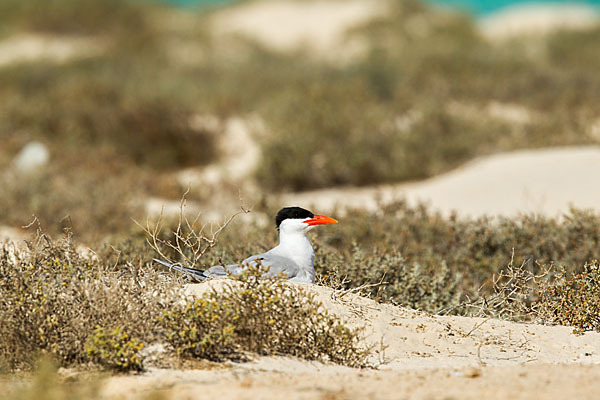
316	25
540	381
417	356
547	181
320	25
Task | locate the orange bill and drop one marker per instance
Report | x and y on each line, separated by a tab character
320	220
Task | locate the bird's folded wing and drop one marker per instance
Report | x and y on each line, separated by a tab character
222	270
276	265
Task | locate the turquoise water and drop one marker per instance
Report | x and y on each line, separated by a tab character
192	3
481	8
478	8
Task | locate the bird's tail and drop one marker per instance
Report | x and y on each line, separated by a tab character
191	272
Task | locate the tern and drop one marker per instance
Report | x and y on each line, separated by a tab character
292	258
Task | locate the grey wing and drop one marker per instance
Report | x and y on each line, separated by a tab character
219	271
277	265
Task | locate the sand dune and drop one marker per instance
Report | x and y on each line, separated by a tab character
317	25
320	25
547	181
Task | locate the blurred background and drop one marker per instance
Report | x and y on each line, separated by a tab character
112	109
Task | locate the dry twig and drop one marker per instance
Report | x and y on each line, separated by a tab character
190	242
512	291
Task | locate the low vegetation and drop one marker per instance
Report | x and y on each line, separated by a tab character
413	257
53	301
428	94
114	349
107	307
73	17
261	316
76	310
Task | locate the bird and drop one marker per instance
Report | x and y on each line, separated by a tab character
293	257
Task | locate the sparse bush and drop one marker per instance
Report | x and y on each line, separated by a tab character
571	299
475	248
51	298
549	297
261	316
114	349
411	285
90	203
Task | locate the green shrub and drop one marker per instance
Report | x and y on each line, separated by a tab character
474	247
114	349
261	316
410	285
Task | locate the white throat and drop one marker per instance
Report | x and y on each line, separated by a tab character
294	245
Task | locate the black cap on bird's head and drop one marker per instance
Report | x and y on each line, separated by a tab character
300	213
293	213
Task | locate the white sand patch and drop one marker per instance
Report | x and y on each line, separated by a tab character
8	233
226	184
155	207
537	19
285	25
35	47
547	181
239	153
510	113
594	130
